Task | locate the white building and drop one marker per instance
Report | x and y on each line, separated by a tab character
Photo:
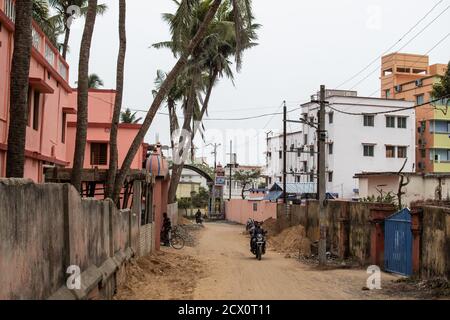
366	142
274	158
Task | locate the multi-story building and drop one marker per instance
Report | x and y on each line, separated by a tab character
48	99
358	140
410	77
274	158
52	104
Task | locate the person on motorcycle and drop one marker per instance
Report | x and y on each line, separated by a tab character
198	217
257	229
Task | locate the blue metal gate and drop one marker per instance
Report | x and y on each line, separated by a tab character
398	243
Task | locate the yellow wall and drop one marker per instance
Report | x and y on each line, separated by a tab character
442	167
184	189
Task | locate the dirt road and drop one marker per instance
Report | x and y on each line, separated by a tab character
233	273
221	267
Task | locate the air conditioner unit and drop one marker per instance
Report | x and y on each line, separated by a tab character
398	88
419	83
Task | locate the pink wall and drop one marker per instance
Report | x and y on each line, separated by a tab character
44	144
238	210
100	110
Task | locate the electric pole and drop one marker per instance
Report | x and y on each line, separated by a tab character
215	145
285	195
231	164
321	133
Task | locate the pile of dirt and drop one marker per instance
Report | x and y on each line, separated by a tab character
189	232
160	276
292	240
271	226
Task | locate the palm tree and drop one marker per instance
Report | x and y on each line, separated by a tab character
184	15
113	152
62	16
94	81
83	87
128	117
20	71
41	14
210	59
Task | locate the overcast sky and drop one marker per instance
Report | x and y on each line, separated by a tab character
302	44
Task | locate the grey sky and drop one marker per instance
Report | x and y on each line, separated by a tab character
303	44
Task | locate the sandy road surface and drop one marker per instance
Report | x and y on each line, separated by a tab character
233	273
221	267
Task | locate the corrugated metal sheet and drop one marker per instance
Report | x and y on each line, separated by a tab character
297	188
398	243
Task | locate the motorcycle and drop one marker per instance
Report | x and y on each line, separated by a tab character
259	245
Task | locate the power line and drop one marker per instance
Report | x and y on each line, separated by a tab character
419	33
391	47
388	112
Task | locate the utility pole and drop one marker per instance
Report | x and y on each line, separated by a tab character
321	183
231	164
215	145
285	195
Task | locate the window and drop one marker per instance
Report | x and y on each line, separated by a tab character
330	148
280	154
305	139
255	207
29	106
420	99
423	153
402	152
36	103
390	152
311	177
311	120
297	179
388	93
330	117
330	176
369	150
99	154
63	128
390	122
369	120
401	122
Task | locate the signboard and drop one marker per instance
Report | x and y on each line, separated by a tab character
220	181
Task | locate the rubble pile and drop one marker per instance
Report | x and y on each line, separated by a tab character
188	232
271	226
292	240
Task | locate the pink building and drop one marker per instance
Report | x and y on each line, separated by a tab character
49	101
100	113
52	108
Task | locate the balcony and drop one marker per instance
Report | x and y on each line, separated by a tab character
45	50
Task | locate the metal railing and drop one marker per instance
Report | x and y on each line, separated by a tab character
10	9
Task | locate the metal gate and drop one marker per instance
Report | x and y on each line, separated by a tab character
398	243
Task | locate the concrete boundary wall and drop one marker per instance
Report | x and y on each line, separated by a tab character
45	228
238	210
353	229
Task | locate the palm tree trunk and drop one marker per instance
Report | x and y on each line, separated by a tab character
19	90
173	120
162	93
177	168
66	43
113	152
83	79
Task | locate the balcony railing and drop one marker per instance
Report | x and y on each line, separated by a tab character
10	9
40	42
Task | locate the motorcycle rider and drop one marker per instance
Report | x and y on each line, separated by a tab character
254	231
198	217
